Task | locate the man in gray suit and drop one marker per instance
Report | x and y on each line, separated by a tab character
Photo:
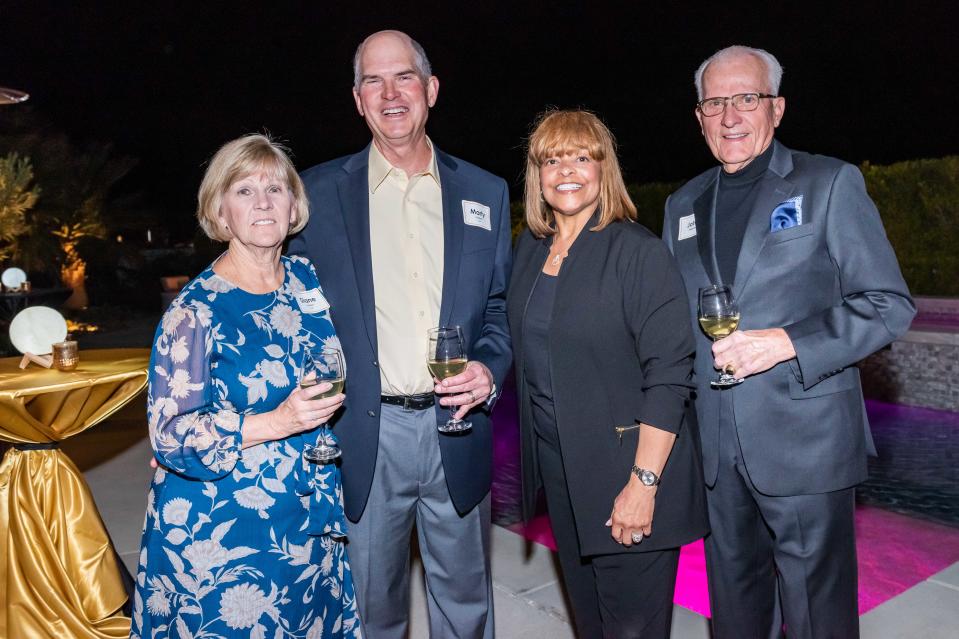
819	288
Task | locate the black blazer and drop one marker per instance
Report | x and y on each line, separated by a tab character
621	352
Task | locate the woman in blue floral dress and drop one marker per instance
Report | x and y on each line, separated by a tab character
243	538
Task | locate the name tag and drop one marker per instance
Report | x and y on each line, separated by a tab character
687	227
476	214
312	301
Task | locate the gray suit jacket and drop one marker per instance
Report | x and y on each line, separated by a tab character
833	283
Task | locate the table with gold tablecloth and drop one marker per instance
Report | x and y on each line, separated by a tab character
58	570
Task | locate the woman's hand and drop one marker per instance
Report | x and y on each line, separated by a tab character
300	411
632	517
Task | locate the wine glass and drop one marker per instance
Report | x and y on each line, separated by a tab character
719	316
446	357
323	365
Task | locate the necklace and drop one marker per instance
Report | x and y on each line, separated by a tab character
558	258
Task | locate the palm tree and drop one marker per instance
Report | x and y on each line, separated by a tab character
77	186
17	196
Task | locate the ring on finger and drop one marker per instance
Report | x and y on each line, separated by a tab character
637	537
472	396
730	368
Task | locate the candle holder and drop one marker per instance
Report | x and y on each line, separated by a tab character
66	355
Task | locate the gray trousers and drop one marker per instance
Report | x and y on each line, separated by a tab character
776	563
409	486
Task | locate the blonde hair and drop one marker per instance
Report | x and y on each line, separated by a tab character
558	132
240	158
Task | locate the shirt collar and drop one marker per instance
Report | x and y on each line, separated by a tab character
380	167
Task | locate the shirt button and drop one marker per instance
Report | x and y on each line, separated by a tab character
376	363
415	275
411	236
422	313
371	413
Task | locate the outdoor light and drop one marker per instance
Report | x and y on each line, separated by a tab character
12	96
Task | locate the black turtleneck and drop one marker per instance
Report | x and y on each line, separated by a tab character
734	203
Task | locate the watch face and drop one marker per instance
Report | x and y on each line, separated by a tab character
648	478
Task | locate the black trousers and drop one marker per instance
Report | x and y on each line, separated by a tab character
621	596
778	565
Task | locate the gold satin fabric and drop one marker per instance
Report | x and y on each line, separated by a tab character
58	571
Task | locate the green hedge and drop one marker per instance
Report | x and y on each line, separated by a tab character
917	199
919	204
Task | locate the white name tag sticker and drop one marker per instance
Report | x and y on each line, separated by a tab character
687	227
476	214
312	301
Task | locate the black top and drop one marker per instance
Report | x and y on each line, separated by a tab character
620	352
734	205
539	313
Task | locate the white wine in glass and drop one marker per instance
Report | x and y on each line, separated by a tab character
443	368
446	357
719	327
337	386
324	365
719	317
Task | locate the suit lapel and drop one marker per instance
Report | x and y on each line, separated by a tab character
452	233
704	208
354	193
773	189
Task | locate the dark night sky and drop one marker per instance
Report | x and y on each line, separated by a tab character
169	82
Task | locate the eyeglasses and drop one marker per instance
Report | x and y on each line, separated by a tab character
741	102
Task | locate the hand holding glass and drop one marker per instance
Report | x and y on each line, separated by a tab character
320	366
719	317
446	357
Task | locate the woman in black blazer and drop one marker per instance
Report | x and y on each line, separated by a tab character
603	348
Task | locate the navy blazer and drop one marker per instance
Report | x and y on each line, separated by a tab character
476	271
833	283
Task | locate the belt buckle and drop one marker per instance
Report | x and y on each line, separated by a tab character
407	400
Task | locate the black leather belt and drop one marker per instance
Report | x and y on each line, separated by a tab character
410	402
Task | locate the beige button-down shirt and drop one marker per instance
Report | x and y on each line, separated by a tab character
406	239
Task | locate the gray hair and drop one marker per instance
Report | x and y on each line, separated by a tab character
420	62
774	70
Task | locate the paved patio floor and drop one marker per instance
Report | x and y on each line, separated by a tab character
528	598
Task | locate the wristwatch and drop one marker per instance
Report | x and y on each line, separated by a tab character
648	477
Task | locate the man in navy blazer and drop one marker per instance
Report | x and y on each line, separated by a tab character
405	237
819	288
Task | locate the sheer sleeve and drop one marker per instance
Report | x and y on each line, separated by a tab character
192	431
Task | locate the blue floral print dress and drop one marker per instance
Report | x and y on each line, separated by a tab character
239	542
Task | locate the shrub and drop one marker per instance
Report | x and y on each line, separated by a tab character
919	204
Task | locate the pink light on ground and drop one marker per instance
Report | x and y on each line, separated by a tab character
895	552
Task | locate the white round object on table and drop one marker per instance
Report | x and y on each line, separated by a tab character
35	329
13	277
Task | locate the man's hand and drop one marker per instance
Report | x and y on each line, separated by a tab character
746	353
467	390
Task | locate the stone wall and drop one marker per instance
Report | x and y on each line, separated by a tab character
922	368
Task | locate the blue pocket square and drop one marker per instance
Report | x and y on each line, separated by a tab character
786	215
